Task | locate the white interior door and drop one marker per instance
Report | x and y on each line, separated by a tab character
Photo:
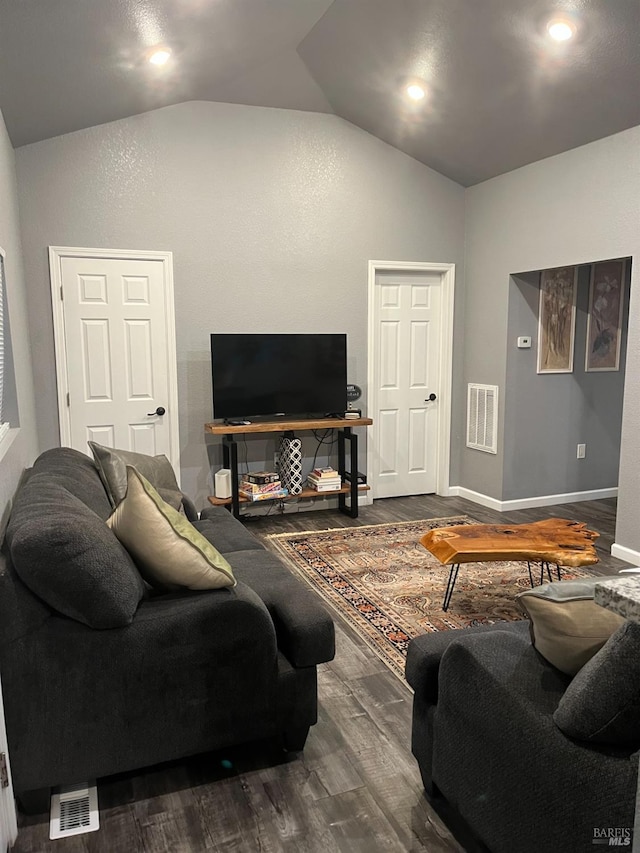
8	820
407	383
115	350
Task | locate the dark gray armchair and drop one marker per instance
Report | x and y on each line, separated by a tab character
485	739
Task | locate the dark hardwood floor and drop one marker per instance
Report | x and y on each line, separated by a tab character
355	788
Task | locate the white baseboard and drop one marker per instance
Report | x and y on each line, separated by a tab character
626	554
476	497
528	503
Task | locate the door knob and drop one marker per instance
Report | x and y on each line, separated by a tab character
431	398
159	411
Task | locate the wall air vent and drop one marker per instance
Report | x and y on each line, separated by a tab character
482	417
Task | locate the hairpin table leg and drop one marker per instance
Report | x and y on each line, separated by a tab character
545	566
453	574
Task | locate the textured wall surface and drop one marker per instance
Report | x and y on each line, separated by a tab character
547	415
571	209
23	448
271	215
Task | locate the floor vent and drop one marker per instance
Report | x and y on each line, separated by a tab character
482	417
74	811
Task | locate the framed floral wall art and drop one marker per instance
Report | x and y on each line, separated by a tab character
556	320
604	320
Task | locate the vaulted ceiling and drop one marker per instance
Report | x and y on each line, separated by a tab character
500	93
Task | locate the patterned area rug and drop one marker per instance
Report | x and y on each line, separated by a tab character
389	588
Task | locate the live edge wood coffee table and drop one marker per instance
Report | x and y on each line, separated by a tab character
554	540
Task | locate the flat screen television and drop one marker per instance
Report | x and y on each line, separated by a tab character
274	375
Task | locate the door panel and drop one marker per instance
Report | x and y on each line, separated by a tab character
104	435
388	440
139	360
389	354
96	360
142	439
418	433
419	358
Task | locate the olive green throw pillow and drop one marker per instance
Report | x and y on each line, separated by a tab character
567	626
167	548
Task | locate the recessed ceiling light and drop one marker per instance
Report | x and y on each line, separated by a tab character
560	29
160	56
415	92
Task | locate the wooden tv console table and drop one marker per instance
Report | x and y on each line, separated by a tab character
349	475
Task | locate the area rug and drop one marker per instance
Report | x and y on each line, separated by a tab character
388	588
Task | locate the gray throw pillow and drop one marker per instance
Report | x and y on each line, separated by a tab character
602	703
112	466
65	554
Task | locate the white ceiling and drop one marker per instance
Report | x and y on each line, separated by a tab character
501	94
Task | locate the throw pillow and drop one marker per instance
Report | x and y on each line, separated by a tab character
567	626
64	554
166	546
602	703
112	466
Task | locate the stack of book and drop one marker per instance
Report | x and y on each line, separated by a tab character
324	480
262	486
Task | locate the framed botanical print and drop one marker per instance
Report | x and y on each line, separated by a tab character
557	320
604	320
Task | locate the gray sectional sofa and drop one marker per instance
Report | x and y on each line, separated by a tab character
101	675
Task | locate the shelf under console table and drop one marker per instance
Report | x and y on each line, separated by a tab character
346	437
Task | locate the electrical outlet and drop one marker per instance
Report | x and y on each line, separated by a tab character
582	451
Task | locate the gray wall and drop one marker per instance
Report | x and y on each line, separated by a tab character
21	447
546	416
574	208
271	215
